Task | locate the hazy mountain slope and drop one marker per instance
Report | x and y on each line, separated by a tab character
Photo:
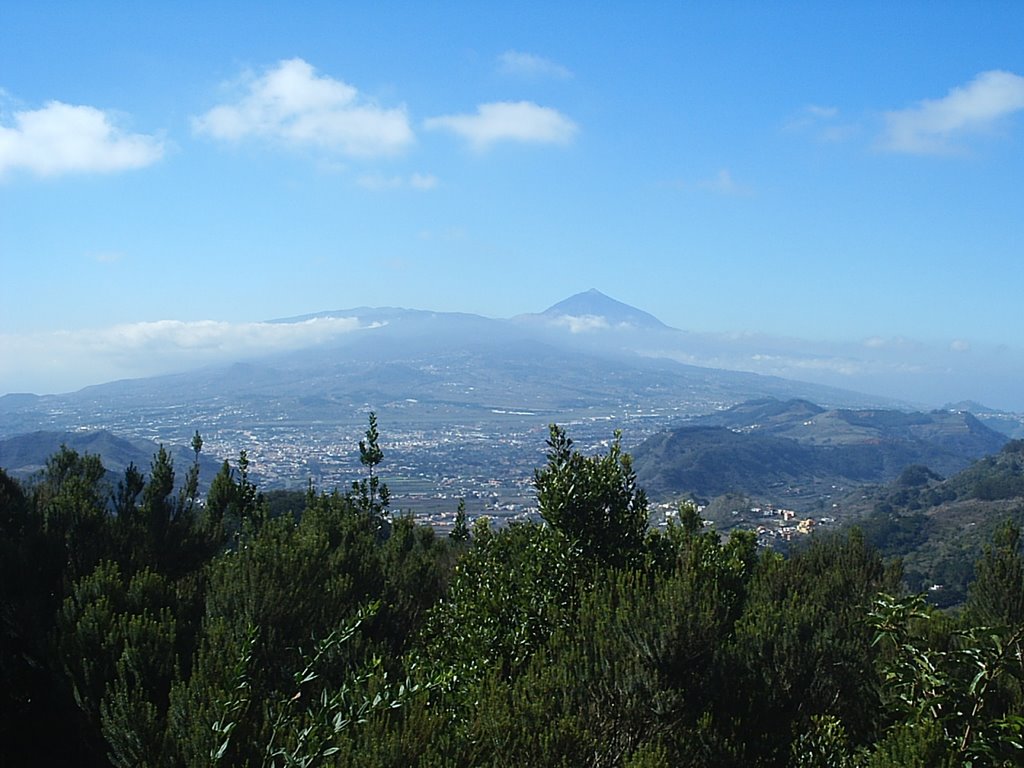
756	447
444	385
958	432
425	360
24	455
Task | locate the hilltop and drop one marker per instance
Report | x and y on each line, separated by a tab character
594	310
25	455
796	451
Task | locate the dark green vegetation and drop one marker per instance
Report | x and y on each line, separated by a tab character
939	527
144	626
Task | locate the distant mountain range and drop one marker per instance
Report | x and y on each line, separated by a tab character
585	352
772	449
471	384
24	456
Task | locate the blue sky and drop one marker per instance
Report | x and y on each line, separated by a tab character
173	174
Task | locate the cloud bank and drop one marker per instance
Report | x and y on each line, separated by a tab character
935	126
65	138
293	104
68	360
500	121
581	323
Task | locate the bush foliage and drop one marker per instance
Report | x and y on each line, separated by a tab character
143	626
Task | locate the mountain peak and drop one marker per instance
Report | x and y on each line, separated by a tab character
594	304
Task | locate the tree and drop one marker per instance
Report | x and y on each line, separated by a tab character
460	531
171	538
510	590
71	496
35	706
594	501
230	503
997	595
116	638
221	501
950	694
158	510
801	647
372	496
129	487
190	489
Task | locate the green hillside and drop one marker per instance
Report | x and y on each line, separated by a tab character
777	450
939	527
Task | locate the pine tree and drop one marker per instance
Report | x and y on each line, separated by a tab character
460	531
371	495
997	595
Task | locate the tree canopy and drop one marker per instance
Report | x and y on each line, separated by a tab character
142	625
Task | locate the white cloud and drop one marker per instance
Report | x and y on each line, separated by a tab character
582	323
65	138
811	116
422	181
824	122
66	360
108	257
294	104
724	184
821	112
419	181
960	345
521	121
895	343
218	337
933	126
783	365
531	65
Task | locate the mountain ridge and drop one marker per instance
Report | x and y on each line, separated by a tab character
761	446
23	456
439	382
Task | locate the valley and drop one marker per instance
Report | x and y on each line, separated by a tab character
464	403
